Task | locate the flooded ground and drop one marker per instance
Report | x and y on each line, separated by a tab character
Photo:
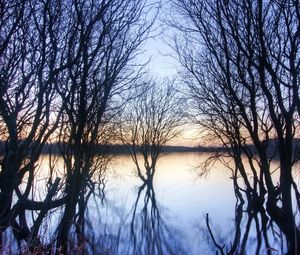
180	213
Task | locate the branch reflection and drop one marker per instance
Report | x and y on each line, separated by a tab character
253	231
149	232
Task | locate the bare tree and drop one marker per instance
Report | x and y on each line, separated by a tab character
105	37
64	66
151	119
241	61
28	72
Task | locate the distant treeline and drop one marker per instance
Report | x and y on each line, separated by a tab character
123	149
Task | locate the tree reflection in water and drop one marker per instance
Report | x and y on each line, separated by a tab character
105	226
252	232
149	232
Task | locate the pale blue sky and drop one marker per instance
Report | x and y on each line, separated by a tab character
162	64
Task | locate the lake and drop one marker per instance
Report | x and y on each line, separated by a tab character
182	196
168	217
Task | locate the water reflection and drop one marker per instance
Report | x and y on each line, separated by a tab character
252	231
149	232
132	216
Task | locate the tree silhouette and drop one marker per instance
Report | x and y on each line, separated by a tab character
104	38
64	66
28	72
151	119
241	64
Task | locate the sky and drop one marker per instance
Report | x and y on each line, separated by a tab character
156	48
163	65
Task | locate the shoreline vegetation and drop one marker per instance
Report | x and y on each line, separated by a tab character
123	149
117	149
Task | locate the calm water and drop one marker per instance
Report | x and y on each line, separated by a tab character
177	216
183	197
168	218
